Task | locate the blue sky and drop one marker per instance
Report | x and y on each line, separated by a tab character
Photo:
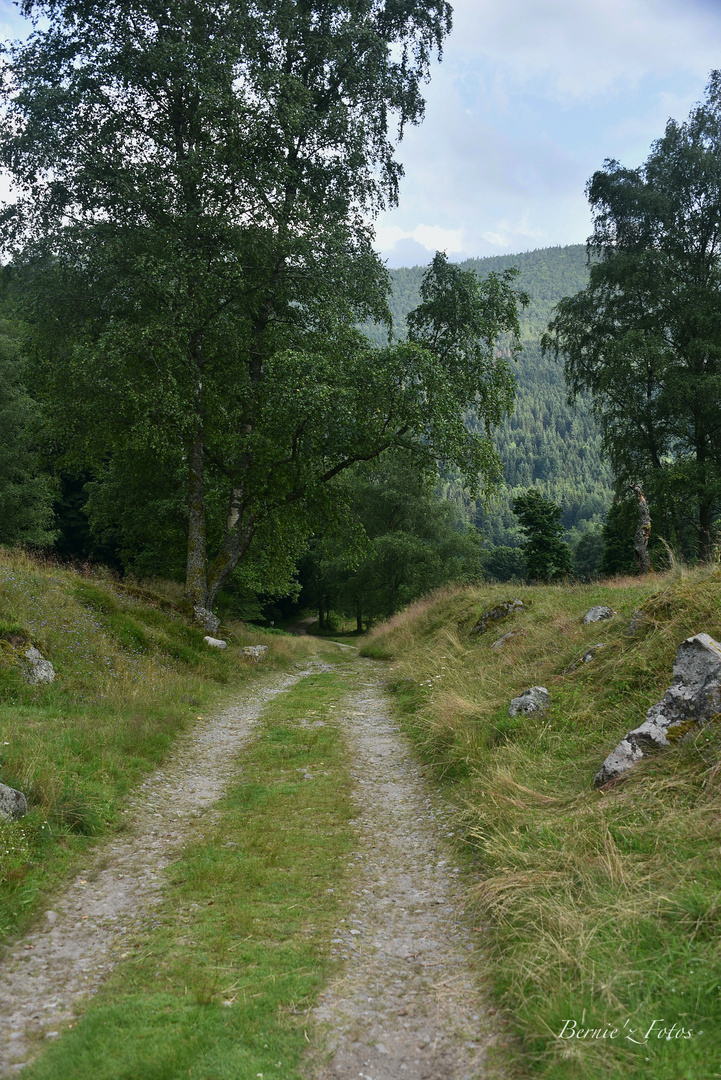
530	98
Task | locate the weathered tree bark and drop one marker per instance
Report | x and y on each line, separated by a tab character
643	531
196	579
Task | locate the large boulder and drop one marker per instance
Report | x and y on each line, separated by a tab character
37	669
692	700
596	614
534	700
13	804
495	614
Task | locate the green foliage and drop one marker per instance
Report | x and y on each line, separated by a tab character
547	555
400	541
618	533
588	554
544	442
26	492
195	305
644	336
504	563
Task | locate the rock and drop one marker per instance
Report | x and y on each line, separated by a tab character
38	669
586	658
216	643
597	613
506	637
495	614
534	700
256	651
51	917
210	621
692	700
636	619
13	804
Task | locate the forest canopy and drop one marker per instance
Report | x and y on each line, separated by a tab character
192	247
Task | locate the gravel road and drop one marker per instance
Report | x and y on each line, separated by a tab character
405	1005
48	974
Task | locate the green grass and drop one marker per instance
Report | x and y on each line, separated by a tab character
132	674
602	906
221	988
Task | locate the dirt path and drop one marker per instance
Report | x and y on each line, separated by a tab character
405	1007
47	974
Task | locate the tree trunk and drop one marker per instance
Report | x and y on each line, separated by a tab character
358	616
705	523
643	531
196	579
239	532
321	614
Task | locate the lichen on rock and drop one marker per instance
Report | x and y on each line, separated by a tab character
496	613
692	700
596	614
36	669
13	804
534	700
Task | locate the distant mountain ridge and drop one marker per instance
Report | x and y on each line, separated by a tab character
546	443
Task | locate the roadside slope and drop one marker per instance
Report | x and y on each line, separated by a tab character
132	675
601	906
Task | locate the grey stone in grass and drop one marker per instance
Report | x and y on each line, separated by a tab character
38	669
506	637
13	804
596	614
534	700
495	614
215	643
586	658
636	619
257	652
692	700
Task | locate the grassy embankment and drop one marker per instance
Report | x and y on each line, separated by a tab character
598	906
132	674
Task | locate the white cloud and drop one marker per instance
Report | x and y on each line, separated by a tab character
530	99
582	50
430	237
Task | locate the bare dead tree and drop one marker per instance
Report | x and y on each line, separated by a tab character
643	531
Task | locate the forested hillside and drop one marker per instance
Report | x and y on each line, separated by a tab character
546	442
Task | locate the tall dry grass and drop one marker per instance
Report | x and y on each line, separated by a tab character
598	906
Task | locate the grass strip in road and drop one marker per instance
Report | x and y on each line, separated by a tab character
220	986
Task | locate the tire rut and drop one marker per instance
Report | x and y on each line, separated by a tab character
51	972
406	1005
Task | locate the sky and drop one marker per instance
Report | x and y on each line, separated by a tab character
529	100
